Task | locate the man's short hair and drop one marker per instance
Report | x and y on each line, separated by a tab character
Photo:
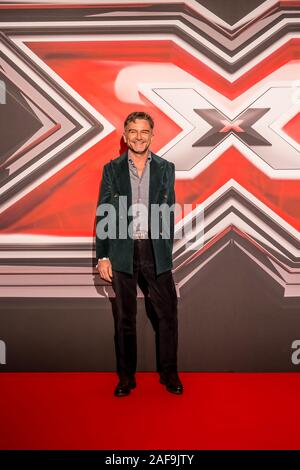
138	115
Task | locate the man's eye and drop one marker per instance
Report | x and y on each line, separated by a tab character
133	132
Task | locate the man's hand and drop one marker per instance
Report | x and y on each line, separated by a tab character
105	269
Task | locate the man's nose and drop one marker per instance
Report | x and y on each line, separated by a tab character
139	135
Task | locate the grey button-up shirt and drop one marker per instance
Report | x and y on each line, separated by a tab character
140	197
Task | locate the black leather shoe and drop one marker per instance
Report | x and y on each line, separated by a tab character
124	387
172	383
132	383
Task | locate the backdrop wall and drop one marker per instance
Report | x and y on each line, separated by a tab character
221	80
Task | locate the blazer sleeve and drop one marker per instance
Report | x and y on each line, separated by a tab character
102	245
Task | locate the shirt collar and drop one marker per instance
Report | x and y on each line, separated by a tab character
149	158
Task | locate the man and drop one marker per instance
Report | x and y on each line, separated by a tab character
138	180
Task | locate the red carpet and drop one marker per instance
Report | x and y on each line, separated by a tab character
217	411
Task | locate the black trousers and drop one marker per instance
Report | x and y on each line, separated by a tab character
163	297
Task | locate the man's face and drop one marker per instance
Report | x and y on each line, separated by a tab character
138	136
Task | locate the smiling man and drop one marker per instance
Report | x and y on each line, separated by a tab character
142	180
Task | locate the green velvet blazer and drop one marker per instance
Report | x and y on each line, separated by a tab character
116	183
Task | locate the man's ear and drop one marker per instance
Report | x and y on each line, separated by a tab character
124	138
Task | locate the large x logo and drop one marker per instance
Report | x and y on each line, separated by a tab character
255	127
222	126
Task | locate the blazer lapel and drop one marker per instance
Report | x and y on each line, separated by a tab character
122	178
157	169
